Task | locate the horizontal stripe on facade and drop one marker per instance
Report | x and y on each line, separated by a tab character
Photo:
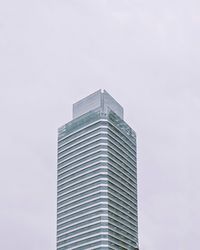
120	241
85	171
70	184
124	196
101	170
83	159
81	217
80	197
122	218
111	192
82	241
118	205
115	129
102	247
117	159
117	175
88	161
85	181
122	157
81	231
82	140
70	226
117	200
82	227
115	197
79	136
98	148
131	168
82	212
102	212
99	243
123	174
102	122
118	149
83	205
103	136
81	152
72	145
114	217
122	224
83	191
122	126
82	169
75	189
117	136
83	129
117	246
121	212
124	232
122	168
98	141
116	140
99	234
122	188
87	198
122	201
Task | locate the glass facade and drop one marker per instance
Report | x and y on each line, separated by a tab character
97	178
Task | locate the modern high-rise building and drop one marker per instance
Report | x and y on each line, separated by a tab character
97	178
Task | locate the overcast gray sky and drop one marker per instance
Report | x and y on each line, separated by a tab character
146	54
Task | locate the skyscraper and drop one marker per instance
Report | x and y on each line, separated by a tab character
97	178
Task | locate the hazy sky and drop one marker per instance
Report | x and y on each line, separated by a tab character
146	54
